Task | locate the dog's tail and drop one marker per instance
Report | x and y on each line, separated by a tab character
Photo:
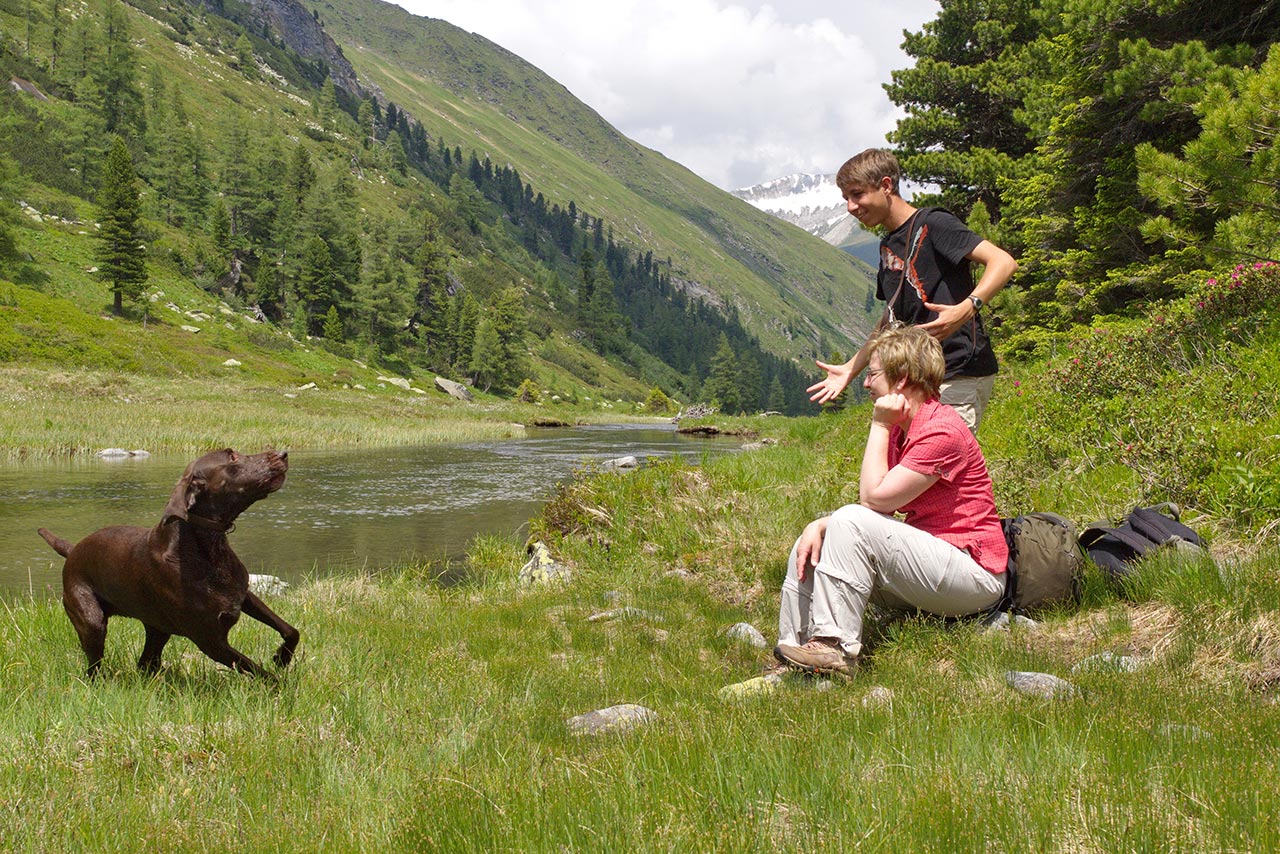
60	545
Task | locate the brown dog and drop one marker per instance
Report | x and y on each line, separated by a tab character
180	577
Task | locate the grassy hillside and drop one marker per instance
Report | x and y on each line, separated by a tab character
788	287
218	115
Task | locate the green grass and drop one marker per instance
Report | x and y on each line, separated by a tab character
423	718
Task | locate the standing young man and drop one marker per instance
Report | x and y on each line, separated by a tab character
925	278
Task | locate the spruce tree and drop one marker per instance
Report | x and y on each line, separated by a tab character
332	329
121	255
315	280
722	386
432	263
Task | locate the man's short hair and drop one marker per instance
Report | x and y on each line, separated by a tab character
864	171
911	353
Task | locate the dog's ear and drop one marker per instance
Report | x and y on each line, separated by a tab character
183	498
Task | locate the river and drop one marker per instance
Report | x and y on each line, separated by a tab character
339	510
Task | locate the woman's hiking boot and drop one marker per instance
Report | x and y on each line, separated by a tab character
819	655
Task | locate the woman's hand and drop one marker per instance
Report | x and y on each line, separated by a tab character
890	410
809	546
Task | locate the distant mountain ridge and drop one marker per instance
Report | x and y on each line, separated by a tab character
813	203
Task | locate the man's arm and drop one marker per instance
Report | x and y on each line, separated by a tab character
999	267
838	376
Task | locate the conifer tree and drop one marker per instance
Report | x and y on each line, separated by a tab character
332	329
749	382
56	28
327	104
486	358
464	316
385	303
467	201
234	179
315	280
220	228
116	74
268	294
242	57
88	138
432	263
121	256
777	400
723	384
8	209
604	324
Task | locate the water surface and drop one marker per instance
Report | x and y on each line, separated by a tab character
338	510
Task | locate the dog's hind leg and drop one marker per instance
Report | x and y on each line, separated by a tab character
89	620
149	662
256	608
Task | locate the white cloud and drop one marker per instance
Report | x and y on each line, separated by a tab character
739	92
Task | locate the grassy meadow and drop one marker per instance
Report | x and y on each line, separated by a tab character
420	717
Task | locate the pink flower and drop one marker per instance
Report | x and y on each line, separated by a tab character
1017	383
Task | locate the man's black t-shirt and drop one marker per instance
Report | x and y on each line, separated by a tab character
931	247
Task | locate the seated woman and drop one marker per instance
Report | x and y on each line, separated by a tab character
947	556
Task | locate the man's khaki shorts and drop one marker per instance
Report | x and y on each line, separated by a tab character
968	396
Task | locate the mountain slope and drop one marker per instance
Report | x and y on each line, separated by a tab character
798	295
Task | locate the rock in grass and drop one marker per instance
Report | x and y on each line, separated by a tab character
627	462
1044	685
1108	662
756	687
879	697
625	613
746	633
1003	622
621	718
454	389
541	568
267	585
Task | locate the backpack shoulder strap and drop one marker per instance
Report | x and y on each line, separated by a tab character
1126	535
1160	528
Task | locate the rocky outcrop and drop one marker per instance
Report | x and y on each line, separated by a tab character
302	33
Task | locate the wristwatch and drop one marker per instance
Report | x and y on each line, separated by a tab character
977	304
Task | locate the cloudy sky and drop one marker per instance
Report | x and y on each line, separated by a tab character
739	91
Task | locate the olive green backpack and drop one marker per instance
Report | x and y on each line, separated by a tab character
1045	562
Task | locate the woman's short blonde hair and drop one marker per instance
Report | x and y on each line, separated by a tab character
911	353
